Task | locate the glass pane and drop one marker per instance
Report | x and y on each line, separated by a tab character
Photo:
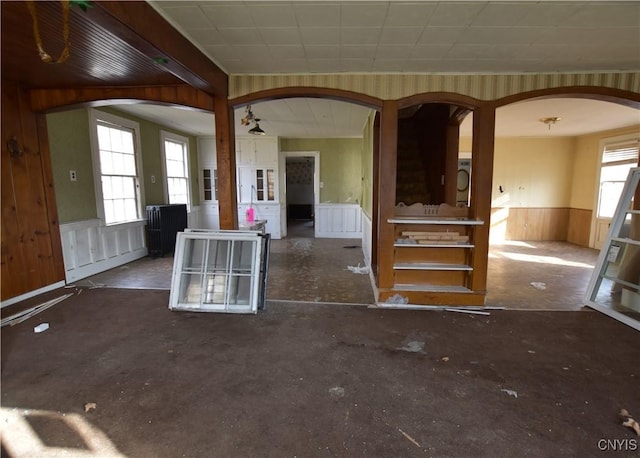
218	256
194	250
127	142
271	185
609	196
239	290
215	288
128	187
130	210
242	257
190	289
116	140
206	173
104	138
109	214
107	192
106	162
128	164
207	195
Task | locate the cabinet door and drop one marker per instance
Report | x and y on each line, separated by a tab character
265	185
266	151
245	184
209	184
246	151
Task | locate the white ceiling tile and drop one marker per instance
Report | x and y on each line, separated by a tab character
361	14
490	35
290	65
502	13
358	51
280	36
229	15
424	65
360	35
400	35
324	65
188	17
248	52
389	65
317	15
455	14
620	14
548	14
393	52
438	35
287	51
242	36
357	65
222	52
273	15
320	36
409	14
322	51
470	51
437	51
208	36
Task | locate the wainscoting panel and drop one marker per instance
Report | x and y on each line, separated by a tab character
514	223
367	243
89	248
338	221
579	226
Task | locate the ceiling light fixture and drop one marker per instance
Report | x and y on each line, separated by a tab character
248	119
550	120
255	130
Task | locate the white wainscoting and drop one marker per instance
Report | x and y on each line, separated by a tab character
90	248
342	221
193	218
367	234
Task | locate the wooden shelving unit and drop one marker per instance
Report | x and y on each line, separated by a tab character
433	261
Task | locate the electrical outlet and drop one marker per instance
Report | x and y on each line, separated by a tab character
153	178
73	176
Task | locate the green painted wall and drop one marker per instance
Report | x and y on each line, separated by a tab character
340	166
71	150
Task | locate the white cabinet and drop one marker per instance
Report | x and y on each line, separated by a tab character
253	151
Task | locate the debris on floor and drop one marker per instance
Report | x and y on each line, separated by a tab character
539	285
444	359
41	327
413	346
397	299
466	310
629	422
337	392
415	442
359	270
510	392
89	406
28	313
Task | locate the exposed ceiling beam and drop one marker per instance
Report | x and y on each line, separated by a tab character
141	26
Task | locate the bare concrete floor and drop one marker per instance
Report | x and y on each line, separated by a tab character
118	374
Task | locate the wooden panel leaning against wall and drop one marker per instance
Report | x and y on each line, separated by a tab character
31	255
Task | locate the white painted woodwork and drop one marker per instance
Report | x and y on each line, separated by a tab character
338	221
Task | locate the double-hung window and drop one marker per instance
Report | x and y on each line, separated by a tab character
175	149
117	170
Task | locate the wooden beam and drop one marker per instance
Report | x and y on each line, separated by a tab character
484	122
44	100
226	163
138	24
387	191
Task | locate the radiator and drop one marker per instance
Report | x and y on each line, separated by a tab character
163	223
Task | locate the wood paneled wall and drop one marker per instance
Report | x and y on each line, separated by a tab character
31	252
564	224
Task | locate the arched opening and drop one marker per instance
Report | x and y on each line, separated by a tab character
544	195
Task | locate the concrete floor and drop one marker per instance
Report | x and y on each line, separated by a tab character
118	374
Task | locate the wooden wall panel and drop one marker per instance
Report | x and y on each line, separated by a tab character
532	223
31	251
579	228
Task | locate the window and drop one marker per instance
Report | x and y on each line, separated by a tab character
116	166
175	149
617	160
210	184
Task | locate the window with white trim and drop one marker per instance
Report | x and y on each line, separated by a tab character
617	159
175	151
116	166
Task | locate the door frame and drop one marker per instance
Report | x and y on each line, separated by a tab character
283	184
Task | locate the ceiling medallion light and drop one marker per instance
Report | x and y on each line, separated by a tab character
248	119
550	120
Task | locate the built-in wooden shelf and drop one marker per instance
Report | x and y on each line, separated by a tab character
433	245
430	266
432	288
435	220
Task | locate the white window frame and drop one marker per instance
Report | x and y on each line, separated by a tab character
170	136
95	117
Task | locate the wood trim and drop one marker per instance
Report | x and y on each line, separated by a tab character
439	97
482	152
375	210
138	24
579	228
44	100
312	92
606	94
226	164
387	191
439	299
